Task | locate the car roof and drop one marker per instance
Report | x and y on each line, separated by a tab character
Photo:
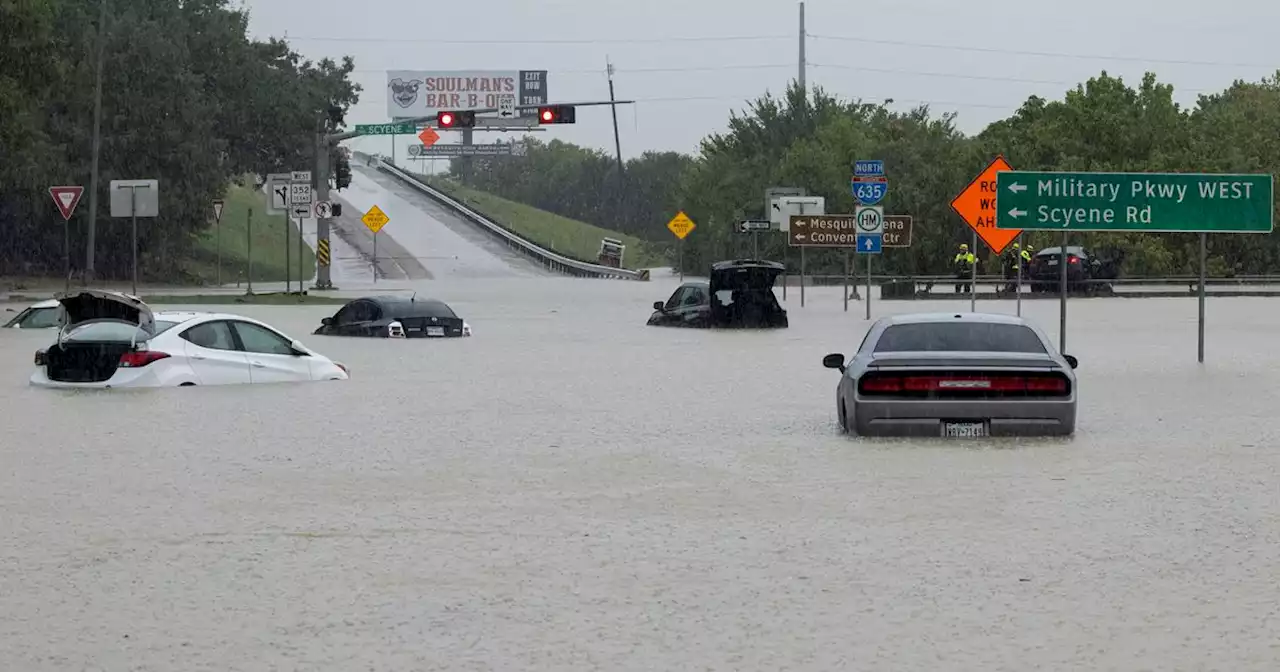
50	303
969	318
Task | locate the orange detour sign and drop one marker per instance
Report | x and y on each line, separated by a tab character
977	206
429	137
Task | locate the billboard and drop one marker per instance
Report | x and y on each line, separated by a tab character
423	93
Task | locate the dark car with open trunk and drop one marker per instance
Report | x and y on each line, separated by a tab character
738	294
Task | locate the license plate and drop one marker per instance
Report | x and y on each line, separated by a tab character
964	430
1053	262
435	331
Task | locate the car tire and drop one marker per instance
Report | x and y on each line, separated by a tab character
186	384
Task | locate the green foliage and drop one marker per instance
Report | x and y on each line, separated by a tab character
557	233
811	140
267	234
187	98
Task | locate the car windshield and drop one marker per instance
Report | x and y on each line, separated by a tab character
36	318
111	331
420	308
959	337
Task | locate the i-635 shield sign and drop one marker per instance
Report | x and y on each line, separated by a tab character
869	190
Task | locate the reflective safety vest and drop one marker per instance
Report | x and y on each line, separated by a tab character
964	257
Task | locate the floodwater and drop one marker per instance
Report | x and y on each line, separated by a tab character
572	490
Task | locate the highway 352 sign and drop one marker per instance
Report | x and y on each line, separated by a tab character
1163	202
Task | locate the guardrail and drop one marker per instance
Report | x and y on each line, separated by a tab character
829	279
552	260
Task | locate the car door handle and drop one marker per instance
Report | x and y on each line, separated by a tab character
259	365
198	357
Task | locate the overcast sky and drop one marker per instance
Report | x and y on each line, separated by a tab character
690	62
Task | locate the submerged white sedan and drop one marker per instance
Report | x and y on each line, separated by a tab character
42	315
115	340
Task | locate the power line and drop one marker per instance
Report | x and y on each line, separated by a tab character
638	40
1044	54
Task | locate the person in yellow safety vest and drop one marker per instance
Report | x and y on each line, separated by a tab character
963	264
1016	257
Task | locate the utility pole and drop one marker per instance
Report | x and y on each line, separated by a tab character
91	235
801	78
617	142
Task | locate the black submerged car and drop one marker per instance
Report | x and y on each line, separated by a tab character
739	294
1085	270
395	317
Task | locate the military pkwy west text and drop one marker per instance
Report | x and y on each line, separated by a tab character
1138	201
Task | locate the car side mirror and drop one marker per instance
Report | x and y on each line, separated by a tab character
326	321
658	305
834	361
299	350
1071	361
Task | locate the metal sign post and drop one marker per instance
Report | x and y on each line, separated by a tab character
847	272
973	276
1062	308
375	257
1019	286
1204	262
133	207
248	241
288	266
868	286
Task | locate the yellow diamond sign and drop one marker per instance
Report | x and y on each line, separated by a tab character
375	219
681	225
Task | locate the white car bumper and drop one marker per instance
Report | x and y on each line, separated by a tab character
144	377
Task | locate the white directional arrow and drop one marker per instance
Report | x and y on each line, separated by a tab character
868	245
799	236
1016	213
1016	187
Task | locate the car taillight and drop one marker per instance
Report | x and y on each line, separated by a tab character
1073	259
960	384
39	357
135	360
342	366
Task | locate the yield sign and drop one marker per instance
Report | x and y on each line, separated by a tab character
977	206
217	210
428	136
66	198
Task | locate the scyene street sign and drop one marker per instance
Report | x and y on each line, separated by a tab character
385	129
1159	202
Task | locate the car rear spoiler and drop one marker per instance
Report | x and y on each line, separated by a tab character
994	360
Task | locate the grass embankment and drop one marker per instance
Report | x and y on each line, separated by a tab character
569	237
268	234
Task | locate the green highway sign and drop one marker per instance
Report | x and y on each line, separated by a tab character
1162	202
385	129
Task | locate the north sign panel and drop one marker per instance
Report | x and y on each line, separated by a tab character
1161	202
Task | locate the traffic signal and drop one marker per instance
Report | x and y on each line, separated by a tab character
456	119
341	172
557	114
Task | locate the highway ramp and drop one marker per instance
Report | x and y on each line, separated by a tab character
431	235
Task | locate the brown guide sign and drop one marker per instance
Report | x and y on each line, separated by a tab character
823	231
897	231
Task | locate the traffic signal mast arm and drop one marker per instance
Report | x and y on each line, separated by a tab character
347	135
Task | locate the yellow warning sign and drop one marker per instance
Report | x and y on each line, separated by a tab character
375	219
681	225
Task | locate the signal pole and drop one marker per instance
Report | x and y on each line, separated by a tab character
801	79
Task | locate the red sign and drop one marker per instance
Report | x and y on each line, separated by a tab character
977	205
66	198
428	136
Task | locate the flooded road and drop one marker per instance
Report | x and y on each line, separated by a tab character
572	490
